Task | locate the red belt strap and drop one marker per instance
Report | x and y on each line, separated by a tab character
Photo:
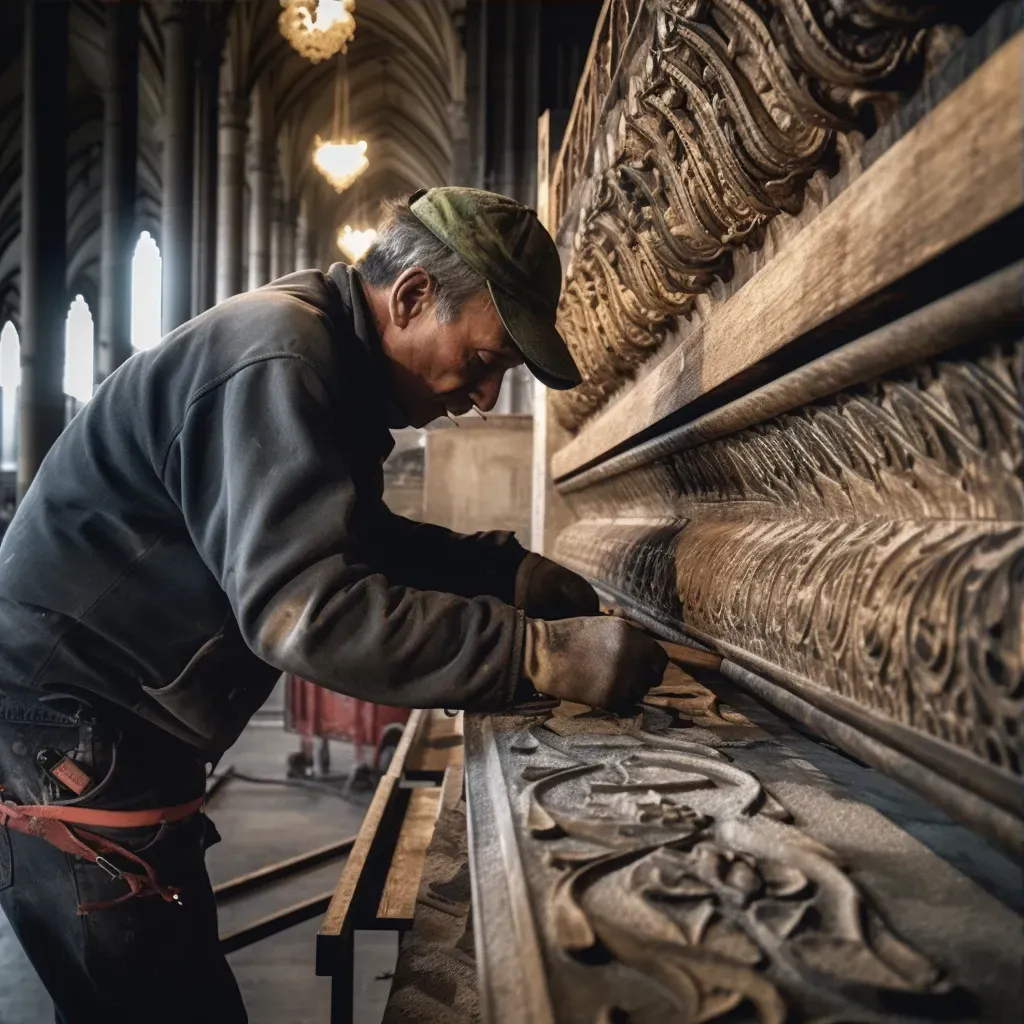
51	822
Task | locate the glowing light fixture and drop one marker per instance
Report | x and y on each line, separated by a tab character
354	242
318	29
340	159
340	162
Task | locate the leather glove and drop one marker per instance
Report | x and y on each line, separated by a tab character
600	661
547	590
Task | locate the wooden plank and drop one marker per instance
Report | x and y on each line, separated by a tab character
337	923
956	172
398	901
341	903
439	743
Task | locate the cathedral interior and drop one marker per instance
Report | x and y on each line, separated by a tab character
791	280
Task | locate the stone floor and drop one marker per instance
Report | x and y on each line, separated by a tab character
259	824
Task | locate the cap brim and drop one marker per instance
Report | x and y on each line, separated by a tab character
543	349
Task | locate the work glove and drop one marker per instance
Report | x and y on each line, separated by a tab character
547	590
600	661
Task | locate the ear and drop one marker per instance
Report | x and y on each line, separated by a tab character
412	294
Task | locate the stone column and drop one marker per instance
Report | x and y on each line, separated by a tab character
230	195
120	154
277	244
43	235
261	183
529	50
303	242
289	237
177	169
204	220
507	108
476	89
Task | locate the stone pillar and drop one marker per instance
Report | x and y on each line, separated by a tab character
43	235
288	238
529	50
177	171
261	183
277	233
303	242
303	252
507	108
476	90
120	154
230	195
204	220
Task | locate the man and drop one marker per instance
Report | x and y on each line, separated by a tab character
213	517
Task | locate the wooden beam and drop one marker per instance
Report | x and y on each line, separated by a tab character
958	171
398	901
338	922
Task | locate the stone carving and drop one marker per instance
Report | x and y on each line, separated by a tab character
677	863
871	543
737	104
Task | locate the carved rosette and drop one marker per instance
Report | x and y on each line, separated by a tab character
737	104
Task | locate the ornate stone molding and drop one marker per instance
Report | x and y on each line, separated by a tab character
871	543
736	105
655	874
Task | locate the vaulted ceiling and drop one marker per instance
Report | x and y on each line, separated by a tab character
405	70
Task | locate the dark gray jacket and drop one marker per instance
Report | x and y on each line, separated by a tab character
214	516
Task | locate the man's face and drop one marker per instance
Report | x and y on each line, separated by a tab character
442	367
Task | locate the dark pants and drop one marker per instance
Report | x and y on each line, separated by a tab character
141	960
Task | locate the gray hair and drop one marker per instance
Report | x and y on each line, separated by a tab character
403	241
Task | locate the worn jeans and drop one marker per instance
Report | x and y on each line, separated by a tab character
141	960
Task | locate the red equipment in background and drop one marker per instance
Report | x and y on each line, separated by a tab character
316	713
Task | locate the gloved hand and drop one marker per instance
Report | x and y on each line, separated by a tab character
600	661
547	590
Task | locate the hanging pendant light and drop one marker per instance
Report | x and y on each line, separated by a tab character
354	242
342	159
340	162
318	29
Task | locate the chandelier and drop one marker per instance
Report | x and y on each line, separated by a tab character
340	159
318	29
340	162
354	242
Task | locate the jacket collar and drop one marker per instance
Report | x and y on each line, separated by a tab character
357	309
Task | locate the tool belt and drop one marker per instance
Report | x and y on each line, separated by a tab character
58	825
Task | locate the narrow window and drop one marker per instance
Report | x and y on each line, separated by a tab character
146	311
10	381
78	351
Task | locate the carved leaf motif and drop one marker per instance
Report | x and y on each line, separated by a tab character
872	543
736	106
737	910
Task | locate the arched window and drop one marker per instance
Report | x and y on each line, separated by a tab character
10	381
146	312
78	351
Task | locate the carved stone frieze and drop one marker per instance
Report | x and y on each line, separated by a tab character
736	105
871	543
669	884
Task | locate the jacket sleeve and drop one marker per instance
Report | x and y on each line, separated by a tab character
262	474
432	558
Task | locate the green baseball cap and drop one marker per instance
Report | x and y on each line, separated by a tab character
507	245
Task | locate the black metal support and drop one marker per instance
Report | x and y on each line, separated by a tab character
276	922
282	869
